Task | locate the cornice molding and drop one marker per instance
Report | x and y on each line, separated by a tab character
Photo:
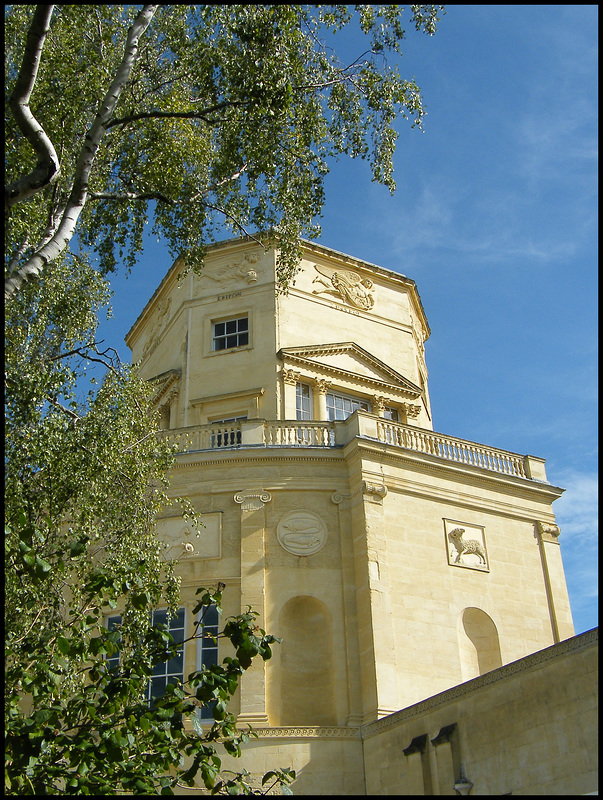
502	674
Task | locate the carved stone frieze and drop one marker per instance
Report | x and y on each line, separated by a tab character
345	285
466	545
242	269
412	410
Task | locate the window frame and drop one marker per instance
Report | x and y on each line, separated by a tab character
359	403
226	335
205	714
111	621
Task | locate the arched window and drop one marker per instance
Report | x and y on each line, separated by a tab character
479	647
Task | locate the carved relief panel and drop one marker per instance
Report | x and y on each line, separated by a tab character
348	286
301	533
466	545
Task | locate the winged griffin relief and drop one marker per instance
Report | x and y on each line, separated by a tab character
347	285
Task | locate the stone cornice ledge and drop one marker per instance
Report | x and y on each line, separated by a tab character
307	732
573	645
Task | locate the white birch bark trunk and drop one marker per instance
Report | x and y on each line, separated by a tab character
79	194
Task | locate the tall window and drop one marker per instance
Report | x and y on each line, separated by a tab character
230	333
340	407
207	651
303	401
166	671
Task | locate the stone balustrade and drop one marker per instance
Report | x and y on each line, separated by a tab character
294	433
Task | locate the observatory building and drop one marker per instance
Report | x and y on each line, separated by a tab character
415	578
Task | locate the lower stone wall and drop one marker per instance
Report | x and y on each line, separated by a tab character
529	727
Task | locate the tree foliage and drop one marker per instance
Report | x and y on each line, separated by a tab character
199	115
84	481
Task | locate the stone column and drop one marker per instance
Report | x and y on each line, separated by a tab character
253	593
379	403
290	380
321	389
554	578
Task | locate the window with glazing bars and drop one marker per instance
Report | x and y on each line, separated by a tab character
303	401
166	671
340	407
230	333
207	650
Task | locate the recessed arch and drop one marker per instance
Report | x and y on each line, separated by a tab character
479	645
307	695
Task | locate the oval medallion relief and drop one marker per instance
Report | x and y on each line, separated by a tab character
301	533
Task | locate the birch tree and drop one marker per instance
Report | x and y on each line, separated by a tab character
194	116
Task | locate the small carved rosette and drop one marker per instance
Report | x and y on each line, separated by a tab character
301	533
466	545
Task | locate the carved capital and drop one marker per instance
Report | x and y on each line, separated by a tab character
375	492
291	376
250	500
548	532
321	386
412	410
379	403
338	497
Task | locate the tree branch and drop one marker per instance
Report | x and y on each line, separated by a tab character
179	114
79	194
47	169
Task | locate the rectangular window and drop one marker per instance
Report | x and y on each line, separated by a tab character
165	671
168	671
207	651
303	401
340	407
230	333
390	413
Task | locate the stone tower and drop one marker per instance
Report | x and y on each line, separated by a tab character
395	562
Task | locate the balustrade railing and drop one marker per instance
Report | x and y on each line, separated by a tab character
287	433
451	448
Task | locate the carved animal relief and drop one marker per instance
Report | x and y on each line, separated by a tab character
466	545
347	286
301	533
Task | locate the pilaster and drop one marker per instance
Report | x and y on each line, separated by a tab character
373	599
253	578
554	578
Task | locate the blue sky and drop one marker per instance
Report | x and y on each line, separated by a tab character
495	218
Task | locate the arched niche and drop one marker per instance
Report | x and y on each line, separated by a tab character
479	647
307	695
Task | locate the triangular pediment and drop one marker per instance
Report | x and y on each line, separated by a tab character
350	362
164	385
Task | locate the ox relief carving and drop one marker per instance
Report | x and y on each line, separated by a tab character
243	269
346	285
301	533
466	545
